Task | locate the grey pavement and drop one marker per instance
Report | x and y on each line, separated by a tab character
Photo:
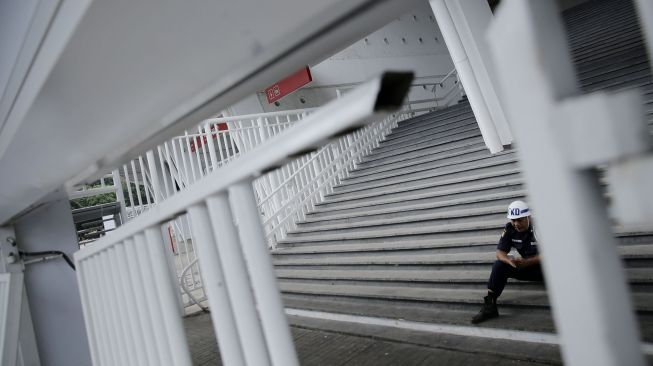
337	345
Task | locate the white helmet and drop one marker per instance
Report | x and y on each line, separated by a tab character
518	209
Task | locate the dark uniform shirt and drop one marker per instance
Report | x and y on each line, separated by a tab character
525	243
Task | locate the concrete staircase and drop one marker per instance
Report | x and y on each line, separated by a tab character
411	233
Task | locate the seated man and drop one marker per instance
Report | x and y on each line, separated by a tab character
520	235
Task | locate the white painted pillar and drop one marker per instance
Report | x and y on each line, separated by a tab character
466	75
586	283
51	286
471	19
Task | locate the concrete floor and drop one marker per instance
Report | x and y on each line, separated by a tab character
329	347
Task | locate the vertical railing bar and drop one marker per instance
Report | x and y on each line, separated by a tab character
145	183
180	164
129	190
164	174
132	307
145	317
171	317
190	156
264	284
192	246
173	166
122	306
236	277
116	323
211	147
138	186
152	297
218	136
214	284
106	340
205	153
233	144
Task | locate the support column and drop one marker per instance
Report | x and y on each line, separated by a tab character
471	19
466	75
51	286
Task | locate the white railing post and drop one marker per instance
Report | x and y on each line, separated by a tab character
215	286
235	273
264	284
586	283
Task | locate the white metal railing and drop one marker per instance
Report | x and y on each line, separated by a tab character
301	185
131	322
284	196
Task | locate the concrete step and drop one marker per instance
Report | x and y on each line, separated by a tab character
635	80
629	30
433	192
634	253
454	120
379	211
639	279
464	148
597	36
643	302
371	216
484	224
441	113
488	170
411	166
408	153
461	244
597	55
613	62
407	219
512	318
611	67
426	132
424	139
627	72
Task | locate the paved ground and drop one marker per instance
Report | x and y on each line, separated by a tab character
330	347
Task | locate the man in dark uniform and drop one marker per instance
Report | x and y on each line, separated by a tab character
518	234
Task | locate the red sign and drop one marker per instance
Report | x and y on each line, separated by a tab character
288	85
194	145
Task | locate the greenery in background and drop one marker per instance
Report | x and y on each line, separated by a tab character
108	197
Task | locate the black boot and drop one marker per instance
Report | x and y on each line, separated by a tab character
488	311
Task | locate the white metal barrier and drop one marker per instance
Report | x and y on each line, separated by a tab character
127	289
283	196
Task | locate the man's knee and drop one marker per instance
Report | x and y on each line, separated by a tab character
501	266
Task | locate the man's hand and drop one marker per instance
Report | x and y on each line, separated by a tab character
517	262
503	256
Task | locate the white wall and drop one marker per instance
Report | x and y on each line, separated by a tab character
411	42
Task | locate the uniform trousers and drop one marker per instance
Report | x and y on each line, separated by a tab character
502	271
